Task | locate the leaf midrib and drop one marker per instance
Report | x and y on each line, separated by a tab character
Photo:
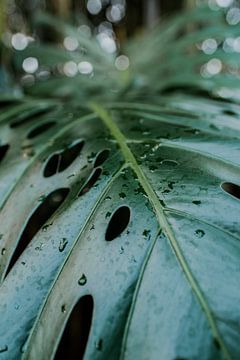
106	118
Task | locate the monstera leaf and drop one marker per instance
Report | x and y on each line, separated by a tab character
120	222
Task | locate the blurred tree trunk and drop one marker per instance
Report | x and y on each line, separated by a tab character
2	16
167	7
151	11
60	8
145	13
134	16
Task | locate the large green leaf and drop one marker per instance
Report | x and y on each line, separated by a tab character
125	202
168	284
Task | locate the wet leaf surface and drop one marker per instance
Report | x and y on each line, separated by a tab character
154	239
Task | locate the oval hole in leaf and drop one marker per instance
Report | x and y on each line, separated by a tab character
91	181
44	211
29	116
3	151
118	223
101	157
40	129
59	162
70	154
231	189
52	165
229	112
75	336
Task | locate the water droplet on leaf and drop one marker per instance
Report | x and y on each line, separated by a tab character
99	344
83	280
63	244
3	348
197	202
146	233
24	347
153	168
199	233
121	250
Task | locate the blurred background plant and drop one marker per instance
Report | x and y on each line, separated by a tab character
94	45
109	22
